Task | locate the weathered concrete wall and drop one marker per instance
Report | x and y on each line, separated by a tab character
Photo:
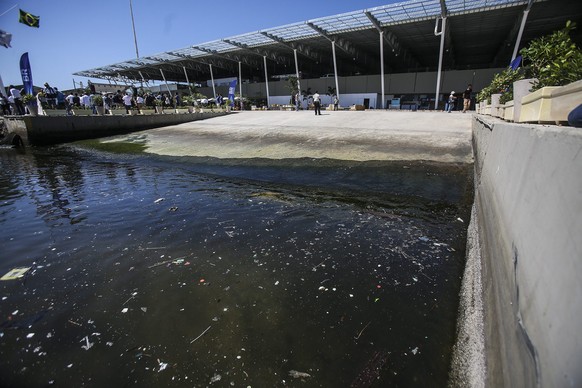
60	129
528	202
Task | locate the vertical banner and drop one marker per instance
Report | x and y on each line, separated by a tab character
231	90
26	73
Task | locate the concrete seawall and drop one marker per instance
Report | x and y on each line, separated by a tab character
528	207
39	130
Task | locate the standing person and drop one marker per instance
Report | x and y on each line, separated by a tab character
70	104
85	100
139	103
117	99
451	102
17	97
150	102
51	95
467	98
317	103
127	100
92	103
70	98
107	102
76	101
335	102
297	101
12	105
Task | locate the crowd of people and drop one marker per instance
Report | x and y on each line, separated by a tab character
13	103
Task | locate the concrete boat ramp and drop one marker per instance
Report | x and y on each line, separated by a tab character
342	135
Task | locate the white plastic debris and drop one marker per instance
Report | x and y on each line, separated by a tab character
298	375
125	310
215	378
415	350
88	345
30	335
159	200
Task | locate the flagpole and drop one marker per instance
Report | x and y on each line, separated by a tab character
10	9
133	26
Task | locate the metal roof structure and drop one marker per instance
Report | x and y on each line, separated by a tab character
479	34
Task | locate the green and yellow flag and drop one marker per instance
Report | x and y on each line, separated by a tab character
29	19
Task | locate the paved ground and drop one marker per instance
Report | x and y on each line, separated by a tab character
344	135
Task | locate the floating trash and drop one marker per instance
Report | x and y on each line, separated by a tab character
88	344
163	365
298	375
15	273
159	200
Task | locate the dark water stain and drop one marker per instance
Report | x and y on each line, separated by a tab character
154	271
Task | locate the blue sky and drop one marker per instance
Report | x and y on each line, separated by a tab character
80	35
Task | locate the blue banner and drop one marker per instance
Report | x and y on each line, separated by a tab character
26	74
515	63
231	90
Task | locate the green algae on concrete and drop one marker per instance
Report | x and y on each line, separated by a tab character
118	147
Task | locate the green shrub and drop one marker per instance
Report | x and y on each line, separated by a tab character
554	60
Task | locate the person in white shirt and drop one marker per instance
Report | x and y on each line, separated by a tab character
17	97
85	101
317	103
127	99
139	103
69	104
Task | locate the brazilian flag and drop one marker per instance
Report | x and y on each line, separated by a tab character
29	19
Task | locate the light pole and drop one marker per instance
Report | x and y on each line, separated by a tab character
133	26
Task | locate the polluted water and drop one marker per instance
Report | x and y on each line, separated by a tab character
151	271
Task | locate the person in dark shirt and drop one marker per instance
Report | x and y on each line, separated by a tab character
467	98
